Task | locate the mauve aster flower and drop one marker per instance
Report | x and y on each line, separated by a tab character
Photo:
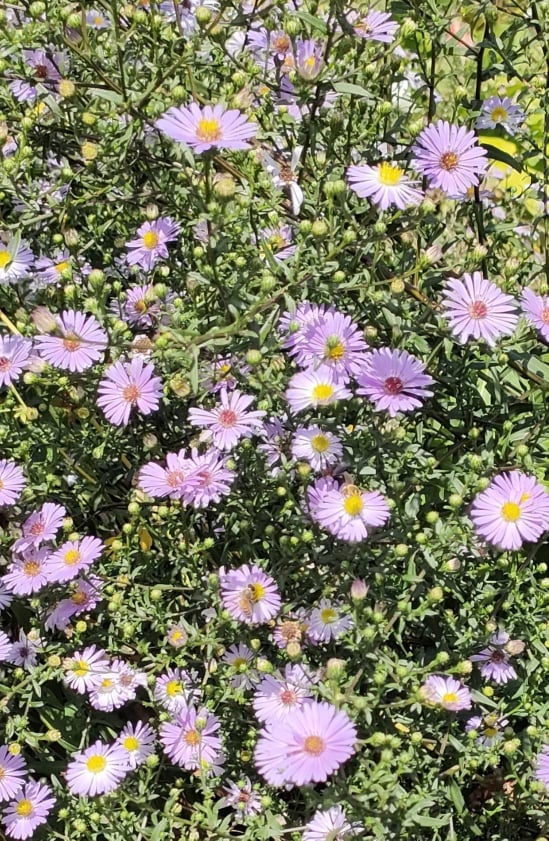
25	649
450	158
12	482
496	663
489	728
394	380
241	797
333	340
330	825
151	243
40	526
12	770
172	480
446	692
84	669
345	510
536	309
327	622
129	384
28	810
191	739
85	596
140	307
500	112
16	260
15	357
176	690
240	657
249	594
293	325
476	307
307	747
28	574
309	58
80	344
108	694
137	740
207	127
513	509
97	769
319	448
278	242
279	696
541	772
315	387
46	67
374	26
73	557
209	479
53	269
229	421
292	629
5	647
97	20
385	184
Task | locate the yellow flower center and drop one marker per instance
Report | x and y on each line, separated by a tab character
31	568
150	239
62	267
106	683
174	687
389	174
81	668
335	349
239	662
24	808
499	114
277	242
71	557
5	258
96	763
176	636
352	504
322	392
313	745
79	597
320	443
310	61
510	512
328	615
449	698
257	592
130	743
490	732
192	738
209	131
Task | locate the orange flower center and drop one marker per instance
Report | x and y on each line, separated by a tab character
314	745
131	393
192	737
31	568
449	161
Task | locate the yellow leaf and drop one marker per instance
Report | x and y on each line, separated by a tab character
145	540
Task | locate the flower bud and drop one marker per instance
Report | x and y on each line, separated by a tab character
359	590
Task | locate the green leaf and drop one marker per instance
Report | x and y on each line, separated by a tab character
314	22
498	155
352	90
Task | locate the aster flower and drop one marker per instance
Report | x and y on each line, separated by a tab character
293	325
176	690
446	692
6	597
151	242
240	657
209	479
28	810
12	770
500	112
291	630
28	574
84	669
536	309
279	242
277	697
394	380
191	739
275	439
40	526
330	825
184	13
12	482
207	127
97	20
489	727
513	509
97	769
172	480
49	270
241	797
327	622
385	184
496	663
177	636
476	307
46	67
16	260
315	387
128	678
15	357
308	747
449	157
84	598
249	594
321	449
345	510
309	58
137	740
374	26
80	344
73	557
24	650
107	694
541	772
5	647
284	177
229	421
141	306
333	341
129	384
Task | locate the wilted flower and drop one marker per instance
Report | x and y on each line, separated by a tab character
495	660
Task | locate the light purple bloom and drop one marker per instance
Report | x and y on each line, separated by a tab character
137	740
176	690
277	697
16	260
308	747
85	596
73	557
333	341
275	438
229	421
327	622
80	344
536	309
207	127
309	59
241	797
172	480
5	647
97	769
28	810
28	574
385	184
446	692
24	651
330	825
496	663
515	508
293	326
240	657
476	307
129	384
191	740
321	449
40	526
12	770
374	26
278	242
348	512
141	306
501	112
208	480
52	270
84	669
12	482
315	387
249	594
151	243
489	728
46	73
15	357
450	158
394	380
186	13
542	766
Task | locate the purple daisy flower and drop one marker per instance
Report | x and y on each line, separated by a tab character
229	421
172	480
12	771
345	510
73	557
394	380
96	770
542	766
176	690
25	649
184	13
16	260
40	526
449	157
207	127
241	797
6	648
279	242
489	727
249	594
476	307
293	325
385	184
28	810
84	669
496	663
536	309
500	112
141	306
46	69
275	439
374	26
108	694
309	58
191	739
514	508
84	598
209	479
315	387
51	270
28	574
12	482
307	747
151	243
240	658
278	697
137	740
80	344
15	357
333	341
330	825
446	692
321	449
129	384
327	622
